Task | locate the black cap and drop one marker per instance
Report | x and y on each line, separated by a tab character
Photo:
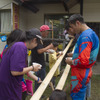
36	32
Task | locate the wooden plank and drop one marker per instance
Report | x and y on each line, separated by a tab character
62	81
37	95
63	78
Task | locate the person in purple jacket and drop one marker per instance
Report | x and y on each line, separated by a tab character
13	66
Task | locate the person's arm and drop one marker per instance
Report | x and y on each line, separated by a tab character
59	54
18	61
84	52
25	70
85	46
34	77
45	49
70	54
70	36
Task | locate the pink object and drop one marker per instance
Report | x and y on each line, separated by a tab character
44	28
1	55
29	86
24	88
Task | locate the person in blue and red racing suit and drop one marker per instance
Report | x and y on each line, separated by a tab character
83	58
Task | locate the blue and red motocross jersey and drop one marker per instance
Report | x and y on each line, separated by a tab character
86	49
84	57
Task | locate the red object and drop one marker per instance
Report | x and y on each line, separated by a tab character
29	86
1	55
44	28
24	88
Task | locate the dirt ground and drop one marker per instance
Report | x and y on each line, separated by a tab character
96	68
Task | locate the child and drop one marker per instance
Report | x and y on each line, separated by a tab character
58	95
52	59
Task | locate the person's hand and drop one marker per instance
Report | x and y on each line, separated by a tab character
51	46
36	68
68	60
40	81
70	54
60	52
51	51
48	51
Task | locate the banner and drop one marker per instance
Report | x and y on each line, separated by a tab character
15	14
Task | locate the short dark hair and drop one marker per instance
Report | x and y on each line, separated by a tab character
67	26
55	44
76	17
58	95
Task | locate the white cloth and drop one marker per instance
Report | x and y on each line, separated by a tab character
66	37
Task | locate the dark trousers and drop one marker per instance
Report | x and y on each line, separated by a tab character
53	80
24	95
41	74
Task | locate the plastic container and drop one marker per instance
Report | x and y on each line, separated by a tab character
34	63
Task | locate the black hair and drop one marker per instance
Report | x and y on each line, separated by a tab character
67	26
16	35
76	17
55	44
58	95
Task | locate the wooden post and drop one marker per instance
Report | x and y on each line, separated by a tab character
52	28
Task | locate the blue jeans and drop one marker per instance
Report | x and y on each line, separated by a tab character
41	74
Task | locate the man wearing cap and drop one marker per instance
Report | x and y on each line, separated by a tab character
44	29
38	54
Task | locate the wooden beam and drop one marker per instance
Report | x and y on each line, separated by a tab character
30	6
62	81
44	1
72	3
63	78
37	95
